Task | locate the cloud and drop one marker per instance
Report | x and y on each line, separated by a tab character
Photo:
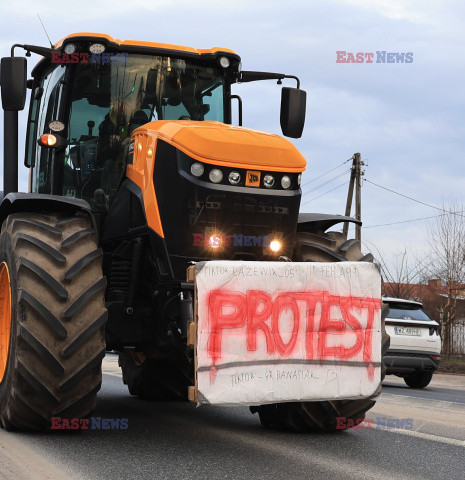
406	120
427	12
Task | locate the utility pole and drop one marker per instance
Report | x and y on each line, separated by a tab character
356	175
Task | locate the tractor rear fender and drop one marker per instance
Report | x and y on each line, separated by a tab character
40	203
318	223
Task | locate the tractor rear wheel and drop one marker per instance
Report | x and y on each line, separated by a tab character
322	416
155	379
52	315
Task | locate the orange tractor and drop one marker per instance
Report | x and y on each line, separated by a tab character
134	166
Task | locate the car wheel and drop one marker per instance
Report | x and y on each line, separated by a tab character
418	380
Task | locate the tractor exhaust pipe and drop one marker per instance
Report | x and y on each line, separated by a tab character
10	152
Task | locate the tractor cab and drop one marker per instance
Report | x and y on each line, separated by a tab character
96	92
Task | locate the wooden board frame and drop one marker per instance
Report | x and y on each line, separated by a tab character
192	335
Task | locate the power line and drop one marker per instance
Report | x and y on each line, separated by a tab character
414	199
327	182
325	173
404	221
323	194
412	220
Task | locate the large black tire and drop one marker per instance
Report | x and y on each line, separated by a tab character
418	380
58	313
155	379
322	416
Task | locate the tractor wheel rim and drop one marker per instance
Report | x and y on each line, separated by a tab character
5	317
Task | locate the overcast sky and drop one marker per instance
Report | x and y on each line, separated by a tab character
406	119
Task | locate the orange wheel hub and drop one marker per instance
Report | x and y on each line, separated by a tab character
5	317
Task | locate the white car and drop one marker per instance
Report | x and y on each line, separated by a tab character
415	349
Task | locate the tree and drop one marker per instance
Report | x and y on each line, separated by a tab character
446	241
401	276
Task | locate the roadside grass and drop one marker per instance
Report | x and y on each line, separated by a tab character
453	364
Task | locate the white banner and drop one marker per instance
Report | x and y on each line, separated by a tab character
271	332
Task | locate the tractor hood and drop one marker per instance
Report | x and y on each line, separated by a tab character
228	145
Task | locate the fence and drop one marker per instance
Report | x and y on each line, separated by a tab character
458	338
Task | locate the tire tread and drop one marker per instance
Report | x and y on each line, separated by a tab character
54	371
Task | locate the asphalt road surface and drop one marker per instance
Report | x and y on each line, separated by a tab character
178	441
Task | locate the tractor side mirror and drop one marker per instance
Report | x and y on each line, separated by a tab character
293	105
13	77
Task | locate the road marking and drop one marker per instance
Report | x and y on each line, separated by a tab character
428	436
419	398
411	433
359	469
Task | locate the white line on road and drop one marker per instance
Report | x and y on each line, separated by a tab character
428	436
411	433
419	398
359	469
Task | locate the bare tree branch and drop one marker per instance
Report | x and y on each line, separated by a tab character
401	277
446	241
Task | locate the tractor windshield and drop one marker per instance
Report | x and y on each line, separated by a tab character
105	102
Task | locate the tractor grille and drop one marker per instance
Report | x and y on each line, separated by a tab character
241	219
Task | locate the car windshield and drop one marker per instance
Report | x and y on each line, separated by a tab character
405	311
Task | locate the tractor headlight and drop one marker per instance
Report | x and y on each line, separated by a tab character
70	48
234	178
97	48
268	181
299	178
214	241
285	182
224	62
215	175
197	169
275	246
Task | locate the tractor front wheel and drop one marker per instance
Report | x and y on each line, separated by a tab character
52	315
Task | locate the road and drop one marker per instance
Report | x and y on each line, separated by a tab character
179	441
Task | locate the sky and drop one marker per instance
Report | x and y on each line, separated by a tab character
406	119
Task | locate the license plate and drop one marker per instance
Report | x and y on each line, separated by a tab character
252	179
407	331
